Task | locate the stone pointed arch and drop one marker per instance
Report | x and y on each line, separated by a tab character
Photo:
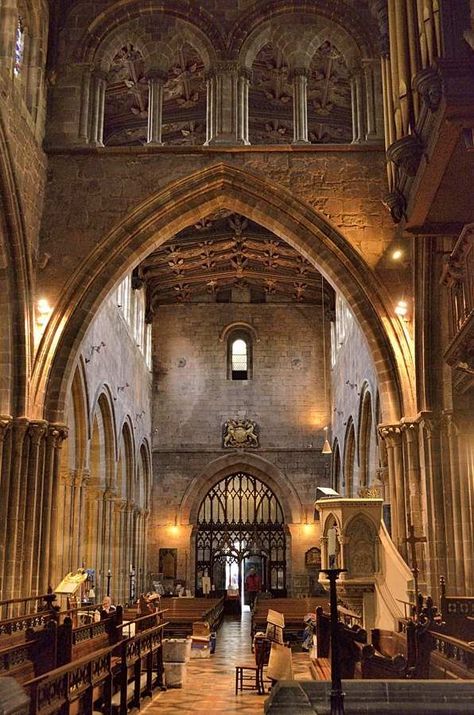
128	10
185	202
234	462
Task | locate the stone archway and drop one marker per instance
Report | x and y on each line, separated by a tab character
185	202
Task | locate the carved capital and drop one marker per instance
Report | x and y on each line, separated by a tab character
391	434
298	72
156	76
37	431
5	425
56	434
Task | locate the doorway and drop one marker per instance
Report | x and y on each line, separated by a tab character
241	526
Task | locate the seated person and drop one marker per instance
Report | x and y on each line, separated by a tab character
107	608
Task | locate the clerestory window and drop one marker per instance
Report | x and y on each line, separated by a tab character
239	357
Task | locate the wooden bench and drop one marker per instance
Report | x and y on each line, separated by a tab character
293	609
181	613
77	643
75	687
141	656
36	654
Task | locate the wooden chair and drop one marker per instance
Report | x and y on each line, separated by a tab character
250	677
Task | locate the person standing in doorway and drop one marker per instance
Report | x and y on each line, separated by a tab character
253	585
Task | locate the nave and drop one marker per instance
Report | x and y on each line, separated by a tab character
210	683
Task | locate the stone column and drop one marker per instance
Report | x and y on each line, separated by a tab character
156	82
415	493
466	488
50	512
243	105
454	535
437	564
5	459
32	499
85	113
358	107
226	103
97	108
18	472
392	436
300	105
373	100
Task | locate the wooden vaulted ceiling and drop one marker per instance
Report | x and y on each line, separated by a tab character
270	99
224	252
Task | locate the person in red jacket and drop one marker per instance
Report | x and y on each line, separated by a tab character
253	585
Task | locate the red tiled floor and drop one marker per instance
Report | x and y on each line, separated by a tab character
210	683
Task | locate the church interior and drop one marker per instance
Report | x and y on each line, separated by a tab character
237	356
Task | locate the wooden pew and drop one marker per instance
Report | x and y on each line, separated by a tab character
141	655
293	610
35	655
75	687
181	613
457	613
77	643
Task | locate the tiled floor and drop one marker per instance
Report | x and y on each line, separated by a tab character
210	683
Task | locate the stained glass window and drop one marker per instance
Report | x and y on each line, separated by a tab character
19	47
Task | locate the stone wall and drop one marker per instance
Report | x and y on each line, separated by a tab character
193	397
91	191
353	376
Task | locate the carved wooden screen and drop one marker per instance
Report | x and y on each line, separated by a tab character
241	519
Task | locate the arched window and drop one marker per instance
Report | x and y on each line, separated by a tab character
19	47
239	356
349	455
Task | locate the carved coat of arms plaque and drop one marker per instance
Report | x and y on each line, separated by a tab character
240	433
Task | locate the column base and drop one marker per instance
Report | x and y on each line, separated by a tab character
152	143
300	142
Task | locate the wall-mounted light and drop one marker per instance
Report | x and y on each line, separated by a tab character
397	254
401	309
43	312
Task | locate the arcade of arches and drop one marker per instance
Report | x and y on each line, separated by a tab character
228	232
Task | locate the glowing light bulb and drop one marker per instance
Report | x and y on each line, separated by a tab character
396	255
401	309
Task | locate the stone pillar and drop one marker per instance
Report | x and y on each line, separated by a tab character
5	458
17	479
300	105
415	493
97	108
32	500
85	124
227	100
437	562
454	530
465	454
156	82
243	106
50	512
358	107
373	100
392	436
